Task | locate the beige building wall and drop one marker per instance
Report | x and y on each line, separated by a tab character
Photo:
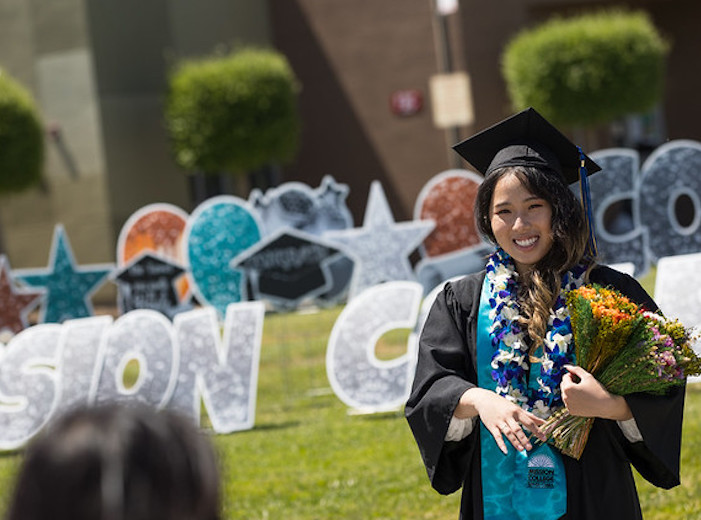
44	46
98	71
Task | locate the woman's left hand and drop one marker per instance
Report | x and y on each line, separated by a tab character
584	396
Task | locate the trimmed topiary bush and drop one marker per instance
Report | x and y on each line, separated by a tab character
21	138
587	70
233	114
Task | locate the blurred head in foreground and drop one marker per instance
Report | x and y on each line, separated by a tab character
118	463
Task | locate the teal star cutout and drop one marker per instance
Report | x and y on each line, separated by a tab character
68	287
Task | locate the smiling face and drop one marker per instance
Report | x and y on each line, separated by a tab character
521	222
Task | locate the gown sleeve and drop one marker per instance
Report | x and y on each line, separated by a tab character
658	417
445	370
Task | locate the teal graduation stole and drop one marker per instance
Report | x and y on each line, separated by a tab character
519	485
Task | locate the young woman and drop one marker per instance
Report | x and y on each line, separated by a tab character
485	381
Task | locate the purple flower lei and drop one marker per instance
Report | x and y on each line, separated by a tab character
510	364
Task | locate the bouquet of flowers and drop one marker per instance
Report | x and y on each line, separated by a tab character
627	349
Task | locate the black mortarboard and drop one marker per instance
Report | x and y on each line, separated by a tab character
289	266
525	139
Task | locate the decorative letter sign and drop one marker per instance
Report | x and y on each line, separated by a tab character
28	386
148	338
357	377
50	368
620	235
224	373
670	193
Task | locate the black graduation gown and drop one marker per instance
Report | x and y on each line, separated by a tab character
600	485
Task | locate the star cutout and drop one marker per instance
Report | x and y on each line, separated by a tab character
68	286
15	303
380	248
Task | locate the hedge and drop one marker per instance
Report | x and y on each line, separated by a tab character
234	113
586	70
21	138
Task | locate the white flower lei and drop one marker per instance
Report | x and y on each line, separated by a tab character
510	364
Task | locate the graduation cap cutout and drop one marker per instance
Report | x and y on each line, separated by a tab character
148	282
525	139
289	266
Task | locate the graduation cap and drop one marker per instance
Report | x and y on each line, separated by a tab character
148	282
525	139
528	139
289	266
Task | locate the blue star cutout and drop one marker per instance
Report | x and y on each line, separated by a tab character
68	287
380	248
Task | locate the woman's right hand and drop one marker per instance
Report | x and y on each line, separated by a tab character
501	417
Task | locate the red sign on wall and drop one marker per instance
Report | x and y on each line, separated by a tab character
406	102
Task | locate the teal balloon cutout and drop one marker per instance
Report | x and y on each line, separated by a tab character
218	230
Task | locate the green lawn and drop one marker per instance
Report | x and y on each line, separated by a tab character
308	458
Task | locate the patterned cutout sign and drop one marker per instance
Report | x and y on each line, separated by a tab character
620	235
15	302
654	213
68	286
223	372
380	248
289	267
146	337
159	229
670	192
149	282
296	205
217	231
28	384
50	368
357	377
449	199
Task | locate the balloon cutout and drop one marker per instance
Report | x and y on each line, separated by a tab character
156	228
149	282
448	199
68	286
217	231
380	248
455	246
15	303
296	205
289	267
357	377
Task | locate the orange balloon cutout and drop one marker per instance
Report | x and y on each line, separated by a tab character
449	199
157	228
